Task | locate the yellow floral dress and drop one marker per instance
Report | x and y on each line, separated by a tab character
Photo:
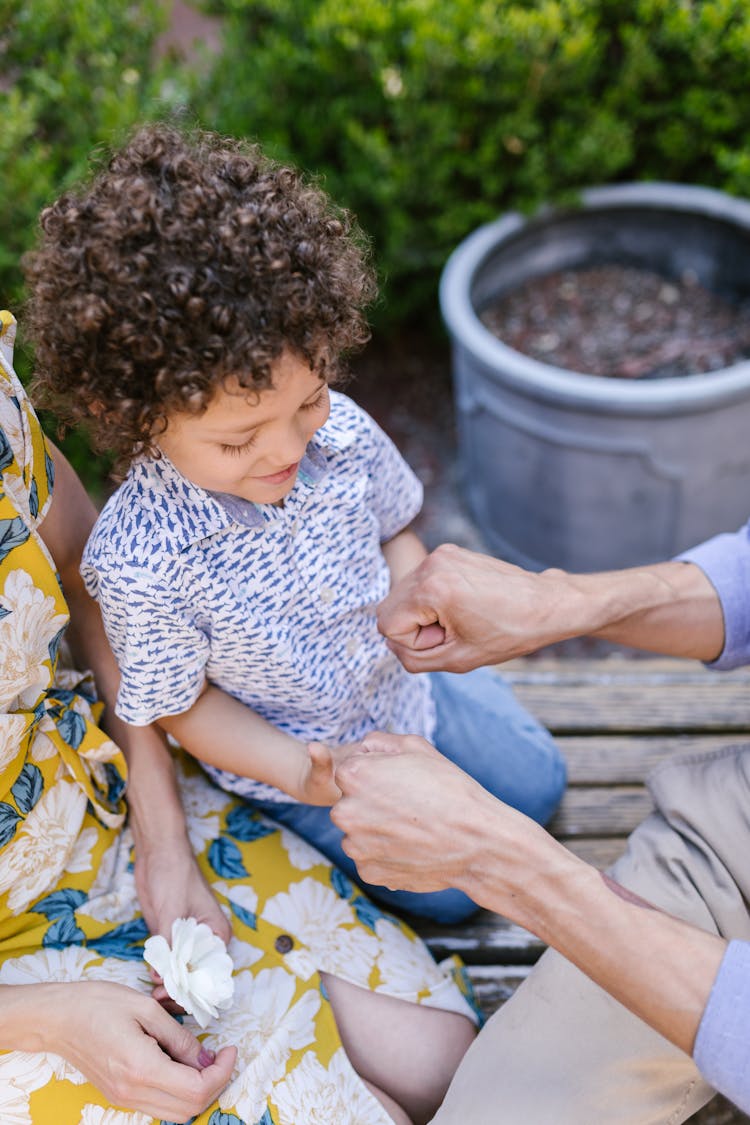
68	908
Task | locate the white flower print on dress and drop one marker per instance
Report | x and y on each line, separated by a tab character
80	857
408	971
406	967
25	635
12	728
266	1026
73	963
243	954
20	1074
241	894
203	803
36	857
326	1096
100	1115
103	752
301	854
323	923
112	896
42	748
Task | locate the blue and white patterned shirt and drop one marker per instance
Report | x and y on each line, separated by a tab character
274	605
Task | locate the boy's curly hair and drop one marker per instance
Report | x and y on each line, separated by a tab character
188	258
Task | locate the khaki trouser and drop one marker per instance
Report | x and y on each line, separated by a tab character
563	1052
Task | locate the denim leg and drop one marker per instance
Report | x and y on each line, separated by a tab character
483	728
313	823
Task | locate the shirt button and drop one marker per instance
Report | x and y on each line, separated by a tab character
284	943
351	646
326	594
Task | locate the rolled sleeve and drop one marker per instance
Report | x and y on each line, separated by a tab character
725	560
722	1045
162	656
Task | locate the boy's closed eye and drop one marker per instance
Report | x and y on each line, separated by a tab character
235	450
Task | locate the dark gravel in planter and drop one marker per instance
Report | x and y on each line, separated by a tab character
622	322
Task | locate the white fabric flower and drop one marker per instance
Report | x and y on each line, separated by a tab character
197	970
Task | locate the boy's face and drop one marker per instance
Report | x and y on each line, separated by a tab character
250	443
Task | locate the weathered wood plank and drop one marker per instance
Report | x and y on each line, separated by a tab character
618	695
486	939
494	984
603	759
640	707
615	669
600	811
598	852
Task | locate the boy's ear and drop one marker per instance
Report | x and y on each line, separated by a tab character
97	408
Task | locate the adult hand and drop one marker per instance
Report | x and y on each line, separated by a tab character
133	1051
408	814
459	610
171	885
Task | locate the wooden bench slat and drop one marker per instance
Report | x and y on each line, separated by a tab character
608	671
603	759
644	707
631	695
486	939
494	984
599	852
600	811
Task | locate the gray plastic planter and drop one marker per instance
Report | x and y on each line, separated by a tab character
573	470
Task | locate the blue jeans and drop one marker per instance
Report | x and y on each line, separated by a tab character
483	728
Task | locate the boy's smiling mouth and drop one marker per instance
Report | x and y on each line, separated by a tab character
281	476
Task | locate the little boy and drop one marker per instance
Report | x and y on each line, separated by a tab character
209	297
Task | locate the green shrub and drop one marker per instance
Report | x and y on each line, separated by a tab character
427	117
73	75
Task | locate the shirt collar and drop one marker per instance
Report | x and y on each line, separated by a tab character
313	466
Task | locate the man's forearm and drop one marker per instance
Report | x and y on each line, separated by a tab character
659	967
460	609
670	608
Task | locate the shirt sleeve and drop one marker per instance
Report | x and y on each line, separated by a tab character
161	653
396	493
725	560
722	1045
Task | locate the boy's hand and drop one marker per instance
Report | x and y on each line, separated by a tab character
318	785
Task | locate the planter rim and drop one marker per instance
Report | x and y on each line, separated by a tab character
571	388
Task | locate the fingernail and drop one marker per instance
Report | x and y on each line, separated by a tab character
206	1057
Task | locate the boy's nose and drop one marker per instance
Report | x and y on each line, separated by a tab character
290	449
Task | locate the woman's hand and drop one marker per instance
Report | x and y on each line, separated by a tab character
171	885
122	1041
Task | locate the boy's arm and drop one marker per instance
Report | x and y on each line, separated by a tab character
223	732
403	553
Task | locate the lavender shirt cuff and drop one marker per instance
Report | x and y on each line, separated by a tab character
722	1045
725	560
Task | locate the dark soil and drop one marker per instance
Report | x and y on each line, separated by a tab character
623	323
